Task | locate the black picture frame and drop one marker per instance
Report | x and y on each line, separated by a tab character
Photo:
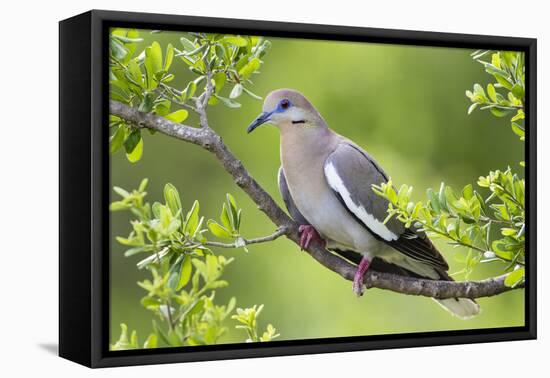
84	189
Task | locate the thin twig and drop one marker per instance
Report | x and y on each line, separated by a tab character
173	100
202	100
210	141
241	242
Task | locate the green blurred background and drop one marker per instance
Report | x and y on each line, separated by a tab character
403	104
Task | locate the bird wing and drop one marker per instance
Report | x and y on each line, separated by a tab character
350	172
377	264
287	198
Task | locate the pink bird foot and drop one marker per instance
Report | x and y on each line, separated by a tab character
307	234
358	287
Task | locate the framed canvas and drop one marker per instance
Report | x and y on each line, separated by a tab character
199	156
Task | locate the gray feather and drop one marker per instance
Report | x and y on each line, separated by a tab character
358	171
289	202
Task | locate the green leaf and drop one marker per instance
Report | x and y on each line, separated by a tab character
150	302
173	280
392	195
126	39
159	331
518	91
189	91
497	112
123	342
136	250
225	218
147	104
178	116
133	339
192	219
251	94
132	140
519	115
491	92
121	85
143	184
121	192
136	153
135	72
117	139
162	108
478	90
508	231
169	56
241	62
502	80
151	342
196	51
441	196
155	54
153	64
232	205
117	49
200	267
187	44
165	216
468	191
236	91
515	277
218	230
219	79
518	130
212	268
479	54
236	40
494	70
472	107
228	102
117	97
434	202
196	308
185	273
172	199
249	68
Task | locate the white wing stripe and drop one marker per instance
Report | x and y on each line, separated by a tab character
370	221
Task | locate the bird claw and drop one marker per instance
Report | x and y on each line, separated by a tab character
307	234
358	286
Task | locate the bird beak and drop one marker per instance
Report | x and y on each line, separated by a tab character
260	120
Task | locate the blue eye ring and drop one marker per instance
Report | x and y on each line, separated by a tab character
284	104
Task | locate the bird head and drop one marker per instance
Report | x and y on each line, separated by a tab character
287	109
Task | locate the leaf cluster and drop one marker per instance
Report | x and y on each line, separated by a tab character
143	79
491	228
248	321
506	95
126	341
185	273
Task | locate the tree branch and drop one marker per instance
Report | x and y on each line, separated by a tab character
209	140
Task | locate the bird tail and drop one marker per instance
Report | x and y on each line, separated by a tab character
463	308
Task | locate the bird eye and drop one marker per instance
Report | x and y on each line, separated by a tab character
285	104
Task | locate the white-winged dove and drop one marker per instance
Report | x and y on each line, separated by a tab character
326	182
